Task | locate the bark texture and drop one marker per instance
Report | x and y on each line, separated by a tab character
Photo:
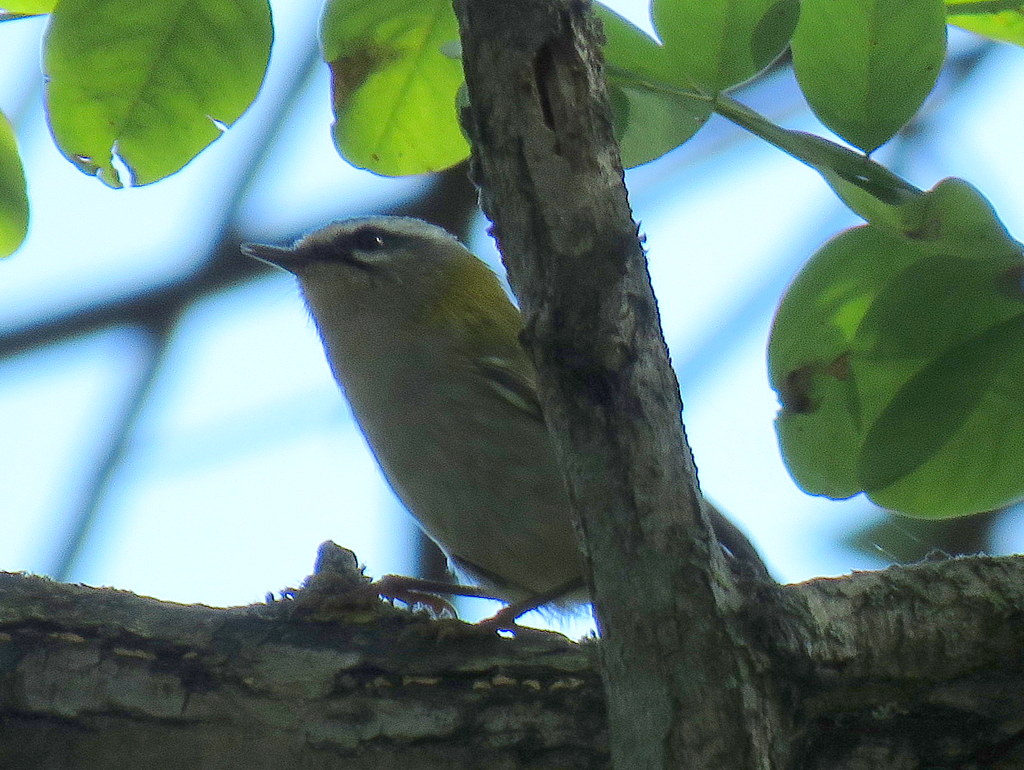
684	679
917	667
99	678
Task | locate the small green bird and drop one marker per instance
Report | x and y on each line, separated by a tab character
424	343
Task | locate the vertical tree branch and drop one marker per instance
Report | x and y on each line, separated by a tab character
681	677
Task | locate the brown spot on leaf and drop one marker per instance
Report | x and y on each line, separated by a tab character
352	70
795	393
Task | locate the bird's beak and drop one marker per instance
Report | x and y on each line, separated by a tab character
289	259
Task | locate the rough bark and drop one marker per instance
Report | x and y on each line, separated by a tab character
684	680
99	678
917	667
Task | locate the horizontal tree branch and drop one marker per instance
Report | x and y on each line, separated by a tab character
100	678
907	667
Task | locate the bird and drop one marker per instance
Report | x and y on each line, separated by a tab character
424	343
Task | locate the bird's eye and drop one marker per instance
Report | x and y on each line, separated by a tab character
367	239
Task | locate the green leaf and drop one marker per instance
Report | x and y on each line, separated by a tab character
649	124
152	83
394	84
995	19
898	354
654	106
719	44
980	384
29	6
869	189
866	66
936	403
981	7
861	202
813	365
631	51
13	195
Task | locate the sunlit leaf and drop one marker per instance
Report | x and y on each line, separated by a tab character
395	79
13	196
151	84
1006	25
28	6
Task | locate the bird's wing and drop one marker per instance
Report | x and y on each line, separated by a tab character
512	385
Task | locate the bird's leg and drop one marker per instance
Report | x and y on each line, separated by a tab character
428	593
505	618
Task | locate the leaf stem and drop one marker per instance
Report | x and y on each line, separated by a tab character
825	157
